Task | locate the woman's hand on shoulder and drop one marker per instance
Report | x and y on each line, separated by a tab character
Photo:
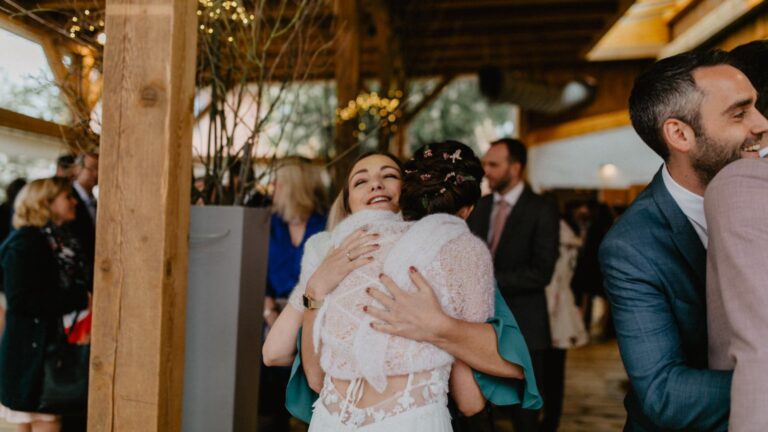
414	315
353	253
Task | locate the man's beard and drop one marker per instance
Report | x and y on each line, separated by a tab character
709	157
502	183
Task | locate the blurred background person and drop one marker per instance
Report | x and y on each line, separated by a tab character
43	279
66	166
84	225
6	208
300	207
6	216
566	326
594	220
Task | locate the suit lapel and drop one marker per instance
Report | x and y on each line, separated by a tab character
480	219
683	235
515	216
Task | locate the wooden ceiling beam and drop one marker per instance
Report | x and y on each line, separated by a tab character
64	5
500	38
501	28
528	12
623	7
465	4
21	122
592	21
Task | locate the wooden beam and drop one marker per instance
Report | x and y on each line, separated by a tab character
428	99
464	4
64	5
137	351
578	127
710	25
752	30
622	8
347	73
14	120
39	30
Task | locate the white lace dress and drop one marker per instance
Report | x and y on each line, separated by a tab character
415	375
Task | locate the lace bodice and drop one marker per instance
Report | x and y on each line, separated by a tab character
420	390
456	263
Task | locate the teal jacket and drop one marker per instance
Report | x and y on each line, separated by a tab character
299	398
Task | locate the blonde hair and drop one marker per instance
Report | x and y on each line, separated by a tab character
300	191
33	204
337	213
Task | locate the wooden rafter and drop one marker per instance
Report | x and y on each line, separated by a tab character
14	120
428	99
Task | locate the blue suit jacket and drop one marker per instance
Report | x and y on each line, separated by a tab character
654	267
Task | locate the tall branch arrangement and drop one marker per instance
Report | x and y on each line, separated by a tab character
247	59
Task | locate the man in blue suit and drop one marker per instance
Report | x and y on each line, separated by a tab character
698	113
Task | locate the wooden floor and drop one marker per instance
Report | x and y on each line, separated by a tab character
595	385
595	381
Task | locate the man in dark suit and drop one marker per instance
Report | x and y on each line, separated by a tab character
522	230
84	225
84	230
698	113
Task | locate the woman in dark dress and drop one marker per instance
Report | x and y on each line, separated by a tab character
42	281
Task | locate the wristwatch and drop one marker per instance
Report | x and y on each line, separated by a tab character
311	303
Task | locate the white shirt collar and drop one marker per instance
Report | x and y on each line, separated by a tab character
512	196
690	203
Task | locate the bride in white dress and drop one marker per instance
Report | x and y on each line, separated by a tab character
369	380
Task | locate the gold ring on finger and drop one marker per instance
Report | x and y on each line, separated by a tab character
349	257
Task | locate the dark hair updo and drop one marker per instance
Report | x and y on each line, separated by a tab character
441	177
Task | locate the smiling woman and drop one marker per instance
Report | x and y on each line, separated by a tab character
374	183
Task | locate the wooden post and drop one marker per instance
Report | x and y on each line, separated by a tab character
137	357
347	71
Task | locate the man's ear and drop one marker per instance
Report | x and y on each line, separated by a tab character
678	135
517	169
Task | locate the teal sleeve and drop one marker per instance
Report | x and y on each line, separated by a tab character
512	347
299	397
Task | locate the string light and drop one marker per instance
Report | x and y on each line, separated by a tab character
223	10
88	25
384	110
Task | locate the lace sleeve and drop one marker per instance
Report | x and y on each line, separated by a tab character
467	266
314	252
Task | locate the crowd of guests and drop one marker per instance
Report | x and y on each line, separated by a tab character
415	304
667	277
533	254
46	268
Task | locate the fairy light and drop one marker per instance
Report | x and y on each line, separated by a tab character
87	24
383	111
211	11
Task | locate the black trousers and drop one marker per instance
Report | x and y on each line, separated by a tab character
273	416
553	381
525	420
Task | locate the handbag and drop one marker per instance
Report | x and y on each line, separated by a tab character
65	376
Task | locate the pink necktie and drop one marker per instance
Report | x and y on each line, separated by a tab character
502	211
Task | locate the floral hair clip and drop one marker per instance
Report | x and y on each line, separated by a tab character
449	175
455	156
427	152
461	179
425	177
